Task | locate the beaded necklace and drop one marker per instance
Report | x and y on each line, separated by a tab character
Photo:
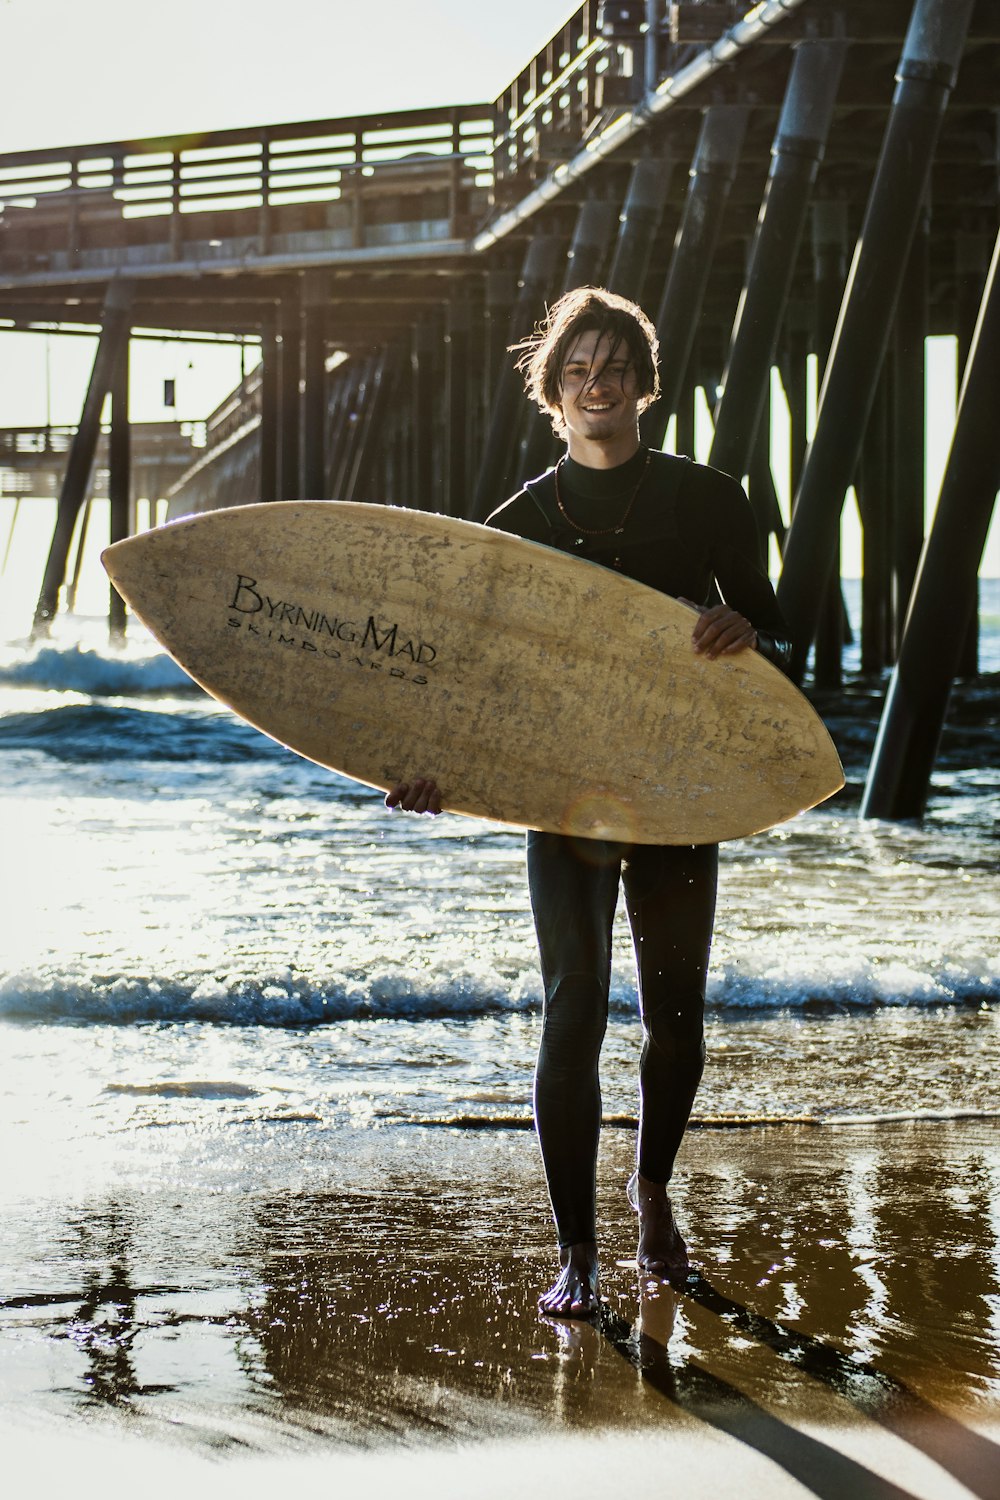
618	527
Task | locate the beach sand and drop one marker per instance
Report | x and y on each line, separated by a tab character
356	1309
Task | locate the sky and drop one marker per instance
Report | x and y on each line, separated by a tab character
81	71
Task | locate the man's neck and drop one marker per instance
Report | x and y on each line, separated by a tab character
595	455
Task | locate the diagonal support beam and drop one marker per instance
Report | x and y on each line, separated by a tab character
639	221
795	157
115	328
713	169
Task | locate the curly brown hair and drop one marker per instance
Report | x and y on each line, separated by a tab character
545	351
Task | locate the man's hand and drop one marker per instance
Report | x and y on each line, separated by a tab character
419	796
720	631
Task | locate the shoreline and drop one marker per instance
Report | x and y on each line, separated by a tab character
719	1122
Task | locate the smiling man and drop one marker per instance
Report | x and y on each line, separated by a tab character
688	531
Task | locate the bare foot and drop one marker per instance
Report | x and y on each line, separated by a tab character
574	1293
662	1251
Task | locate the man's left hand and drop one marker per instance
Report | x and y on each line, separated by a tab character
721	631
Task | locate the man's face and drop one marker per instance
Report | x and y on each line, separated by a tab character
599	389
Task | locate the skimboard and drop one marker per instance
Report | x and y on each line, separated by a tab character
538	689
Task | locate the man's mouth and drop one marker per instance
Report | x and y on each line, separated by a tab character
599	406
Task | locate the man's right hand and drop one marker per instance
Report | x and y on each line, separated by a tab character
419	796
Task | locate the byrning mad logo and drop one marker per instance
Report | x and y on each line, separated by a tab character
370	644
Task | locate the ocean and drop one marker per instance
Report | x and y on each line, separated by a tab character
178	886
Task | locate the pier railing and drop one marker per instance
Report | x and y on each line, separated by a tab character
33	459
363	182
601	62
308	193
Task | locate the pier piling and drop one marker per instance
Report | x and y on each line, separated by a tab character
270	400
938	618
315	294
925	78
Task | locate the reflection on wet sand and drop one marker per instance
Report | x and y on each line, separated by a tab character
849	1284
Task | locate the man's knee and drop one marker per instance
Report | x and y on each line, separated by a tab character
574	1022
676	1029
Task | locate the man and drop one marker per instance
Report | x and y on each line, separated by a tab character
686	530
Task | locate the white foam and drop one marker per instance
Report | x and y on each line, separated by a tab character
79	669
284	1000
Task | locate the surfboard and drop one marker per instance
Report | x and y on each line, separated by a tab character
538	689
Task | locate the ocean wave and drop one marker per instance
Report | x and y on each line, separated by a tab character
102	732
287	1001
247	1003
855	985
78	669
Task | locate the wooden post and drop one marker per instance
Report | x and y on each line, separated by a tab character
291	368
908	425
457	371
119	479
314	404
269	406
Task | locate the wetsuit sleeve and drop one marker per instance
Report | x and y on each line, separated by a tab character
742	581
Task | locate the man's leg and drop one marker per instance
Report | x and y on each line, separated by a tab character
670	893
574	888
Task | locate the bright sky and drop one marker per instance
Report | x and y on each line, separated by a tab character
77	71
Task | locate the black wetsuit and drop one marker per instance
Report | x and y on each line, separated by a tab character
689	529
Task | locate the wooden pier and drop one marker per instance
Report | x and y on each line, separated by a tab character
788	184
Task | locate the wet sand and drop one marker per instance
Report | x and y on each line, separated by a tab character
358	1309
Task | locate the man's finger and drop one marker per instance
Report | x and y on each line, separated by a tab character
725	632
746	642
412	800
708	620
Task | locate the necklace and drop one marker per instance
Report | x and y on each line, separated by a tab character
618	527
